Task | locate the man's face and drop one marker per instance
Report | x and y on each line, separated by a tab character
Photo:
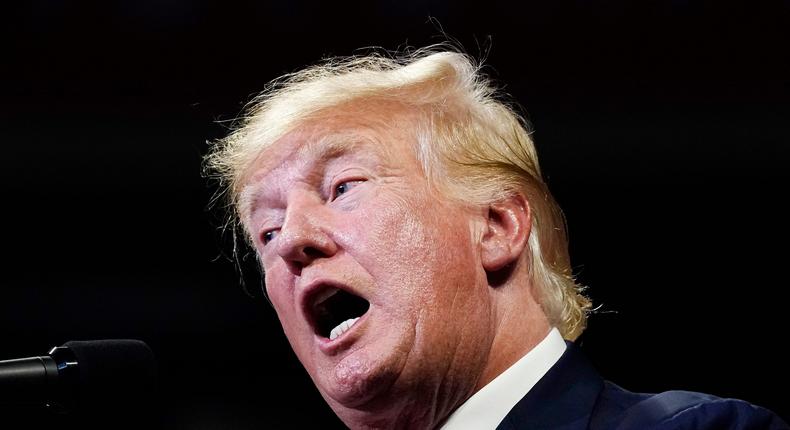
375	277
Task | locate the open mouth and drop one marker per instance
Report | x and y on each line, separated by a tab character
335	311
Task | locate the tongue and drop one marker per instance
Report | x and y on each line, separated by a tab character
342	327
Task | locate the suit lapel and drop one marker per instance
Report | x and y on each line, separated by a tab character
563	399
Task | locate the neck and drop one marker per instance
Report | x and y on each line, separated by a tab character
521	325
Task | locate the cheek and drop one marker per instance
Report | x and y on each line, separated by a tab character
281	299
290	320
415	252
394	240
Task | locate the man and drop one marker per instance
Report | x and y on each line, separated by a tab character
416	259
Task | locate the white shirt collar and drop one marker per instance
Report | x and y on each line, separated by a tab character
489	405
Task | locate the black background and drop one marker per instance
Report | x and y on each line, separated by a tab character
662	130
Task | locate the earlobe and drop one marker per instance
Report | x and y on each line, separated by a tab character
509	222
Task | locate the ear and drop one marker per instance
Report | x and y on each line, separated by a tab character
509	222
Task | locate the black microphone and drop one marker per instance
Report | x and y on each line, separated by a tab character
97	374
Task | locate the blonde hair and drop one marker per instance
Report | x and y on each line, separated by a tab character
471	144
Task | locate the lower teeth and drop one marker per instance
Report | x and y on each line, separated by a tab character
342	327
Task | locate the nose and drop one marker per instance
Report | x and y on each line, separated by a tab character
304	236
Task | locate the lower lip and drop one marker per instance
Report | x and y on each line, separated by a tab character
333	346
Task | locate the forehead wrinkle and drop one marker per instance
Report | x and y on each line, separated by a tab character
336	145
314	153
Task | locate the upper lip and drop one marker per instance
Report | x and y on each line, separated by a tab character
315	291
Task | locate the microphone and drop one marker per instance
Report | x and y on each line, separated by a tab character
100	374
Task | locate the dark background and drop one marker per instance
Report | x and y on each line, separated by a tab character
662	130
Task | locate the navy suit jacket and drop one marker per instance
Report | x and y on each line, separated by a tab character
573	396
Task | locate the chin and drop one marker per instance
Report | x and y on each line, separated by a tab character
374	394
358	381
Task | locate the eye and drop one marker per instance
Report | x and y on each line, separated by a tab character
345	187
268	236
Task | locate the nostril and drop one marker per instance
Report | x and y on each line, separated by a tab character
311	252
301	258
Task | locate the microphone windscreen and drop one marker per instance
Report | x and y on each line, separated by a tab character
119	372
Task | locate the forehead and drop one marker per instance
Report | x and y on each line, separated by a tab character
315	144
382	137
378	126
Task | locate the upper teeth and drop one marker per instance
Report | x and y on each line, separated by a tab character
342	327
